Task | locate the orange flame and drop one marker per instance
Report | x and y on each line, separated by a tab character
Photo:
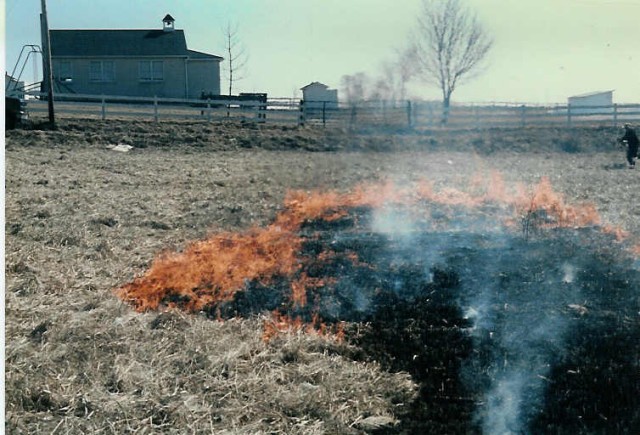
213	270
545	198
279	324
300	286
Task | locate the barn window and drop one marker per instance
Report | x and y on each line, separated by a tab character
151	70
64	71
102	71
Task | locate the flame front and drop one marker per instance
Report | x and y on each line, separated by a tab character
211	271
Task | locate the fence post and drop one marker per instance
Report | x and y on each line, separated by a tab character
262	111
615	115
353	115
523	116
208	109
155	108
384	112
104	109
409	123
569	115
324	114
414	114
476	117
430	106
301	115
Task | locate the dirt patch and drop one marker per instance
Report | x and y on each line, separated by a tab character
83	220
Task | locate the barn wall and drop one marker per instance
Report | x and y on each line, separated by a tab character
126	80
204	76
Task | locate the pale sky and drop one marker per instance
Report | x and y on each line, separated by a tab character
544	50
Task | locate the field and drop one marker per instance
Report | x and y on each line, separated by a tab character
83	220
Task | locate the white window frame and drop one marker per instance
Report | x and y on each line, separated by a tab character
102	71
151	71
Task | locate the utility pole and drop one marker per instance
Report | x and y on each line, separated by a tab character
47	71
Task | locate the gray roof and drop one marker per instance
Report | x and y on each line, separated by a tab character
97	43
317	84
591	94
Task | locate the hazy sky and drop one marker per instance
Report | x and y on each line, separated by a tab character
544	50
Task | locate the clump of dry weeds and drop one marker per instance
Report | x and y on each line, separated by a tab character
104	368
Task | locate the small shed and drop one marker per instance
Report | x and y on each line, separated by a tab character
318	95
591	102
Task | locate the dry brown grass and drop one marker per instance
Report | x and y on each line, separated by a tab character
82	220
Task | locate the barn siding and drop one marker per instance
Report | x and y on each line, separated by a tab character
203	74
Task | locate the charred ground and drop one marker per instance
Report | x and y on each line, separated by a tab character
549	313
82	220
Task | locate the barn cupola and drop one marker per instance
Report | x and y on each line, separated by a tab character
167	23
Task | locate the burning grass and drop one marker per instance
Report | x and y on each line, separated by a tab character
81	219
210	272
444	288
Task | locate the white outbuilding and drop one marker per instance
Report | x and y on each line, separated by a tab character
318	95
591	102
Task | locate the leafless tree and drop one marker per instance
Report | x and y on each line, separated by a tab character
406	69
450	45
394	76
355	87
389	85
237	58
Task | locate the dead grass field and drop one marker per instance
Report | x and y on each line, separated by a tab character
82	220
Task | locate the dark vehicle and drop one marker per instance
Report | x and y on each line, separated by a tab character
218	101
15	112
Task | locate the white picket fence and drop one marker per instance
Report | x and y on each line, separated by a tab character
119	107
362	114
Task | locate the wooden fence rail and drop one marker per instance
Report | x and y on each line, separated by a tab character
362	114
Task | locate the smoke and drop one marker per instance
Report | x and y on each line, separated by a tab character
522	324
569	273
394	221
475	309
505	403
518	323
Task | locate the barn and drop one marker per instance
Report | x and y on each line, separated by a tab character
134	63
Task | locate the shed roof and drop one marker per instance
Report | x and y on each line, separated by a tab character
98	43
314	84
591	94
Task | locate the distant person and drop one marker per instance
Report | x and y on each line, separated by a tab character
631	139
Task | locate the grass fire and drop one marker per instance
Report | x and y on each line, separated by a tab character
319	281
210	272
451	286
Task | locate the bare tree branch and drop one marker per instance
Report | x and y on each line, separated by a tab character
450	45
355	87
389	85
236	56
